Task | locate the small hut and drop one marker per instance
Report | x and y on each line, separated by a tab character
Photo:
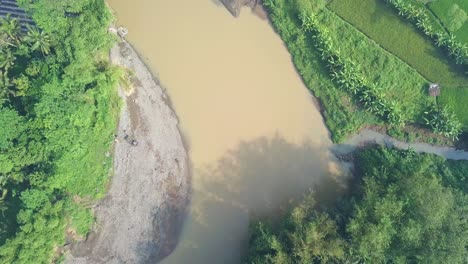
434	89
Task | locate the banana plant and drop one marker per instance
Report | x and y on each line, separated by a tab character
7	59
443	121
345	73
38	40
9	31
440	39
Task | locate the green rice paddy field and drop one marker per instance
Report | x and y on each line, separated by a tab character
396	79
382	24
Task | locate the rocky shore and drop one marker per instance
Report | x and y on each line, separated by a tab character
234	6
141	216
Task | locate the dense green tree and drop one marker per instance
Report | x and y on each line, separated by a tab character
405	208
304	236
58	108
405	213
38	40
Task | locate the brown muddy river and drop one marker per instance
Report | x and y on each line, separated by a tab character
256	138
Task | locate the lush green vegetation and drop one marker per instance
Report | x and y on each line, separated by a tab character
443	121
404	208
419	14
378	21
355	64
454	16
345	73
58	109
400	83
339	108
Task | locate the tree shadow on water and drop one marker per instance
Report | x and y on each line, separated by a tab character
259	178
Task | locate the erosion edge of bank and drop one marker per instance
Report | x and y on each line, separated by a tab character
140	218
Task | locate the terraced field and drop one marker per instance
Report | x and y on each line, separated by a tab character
378	21
388	51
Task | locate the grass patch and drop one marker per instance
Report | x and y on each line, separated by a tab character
81	218
454	15
456	98
378	21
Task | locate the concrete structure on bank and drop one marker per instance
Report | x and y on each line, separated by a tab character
234	6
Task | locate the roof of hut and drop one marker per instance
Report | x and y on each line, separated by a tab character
434	89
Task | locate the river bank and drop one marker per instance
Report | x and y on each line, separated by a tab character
257	140
141	216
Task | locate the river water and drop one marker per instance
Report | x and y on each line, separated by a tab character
256	138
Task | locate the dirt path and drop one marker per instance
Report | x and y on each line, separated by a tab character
367	136
139	220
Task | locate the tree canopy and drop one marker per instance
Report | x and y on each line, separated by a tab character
406	208
58	110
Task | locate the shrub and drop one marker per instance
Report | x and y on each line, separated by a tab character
443	121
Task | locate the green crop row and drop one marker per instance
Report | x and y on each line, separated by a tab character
395	34
346	74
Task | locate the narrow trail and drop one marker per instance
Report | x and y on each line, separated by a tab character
141	216
367	136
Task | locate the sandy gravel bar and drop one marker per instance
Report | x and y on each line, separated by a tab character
140	219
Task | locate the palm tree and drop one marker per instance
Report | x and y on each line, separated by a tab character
4	86
7	59
9	31
38	40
